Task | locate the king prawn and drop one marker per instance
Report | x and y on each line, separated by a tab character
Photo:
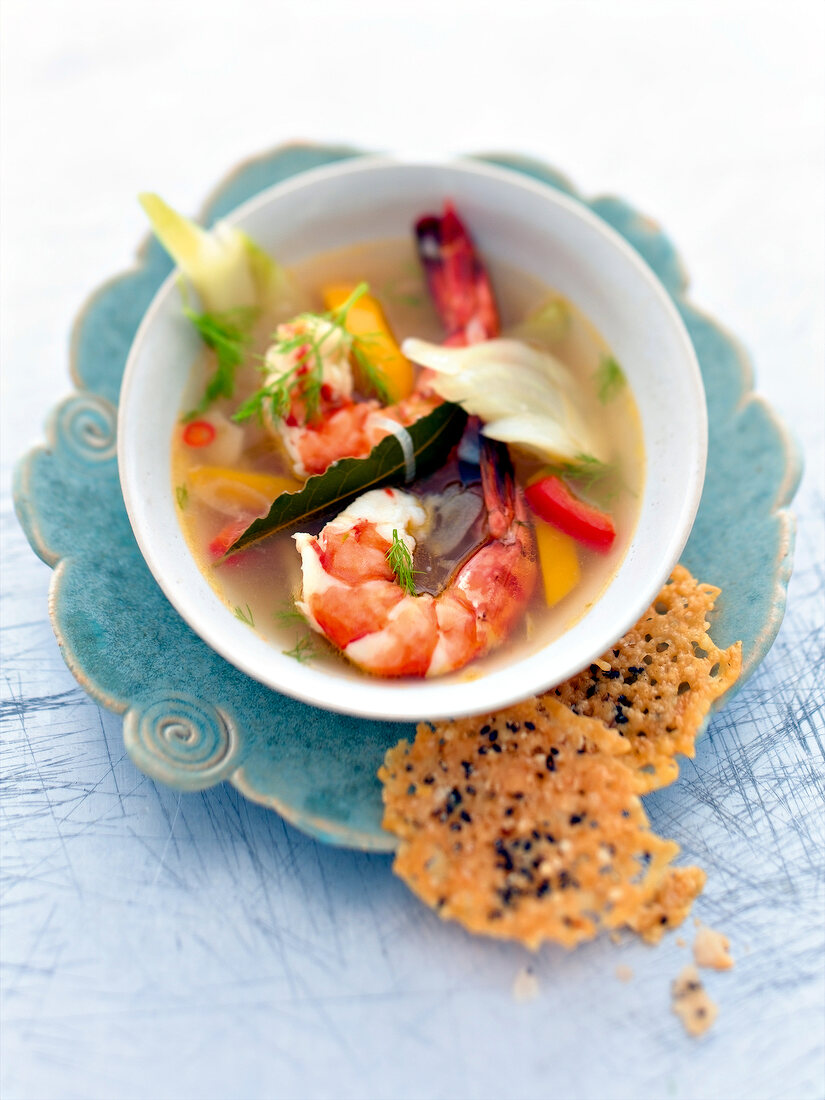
383	459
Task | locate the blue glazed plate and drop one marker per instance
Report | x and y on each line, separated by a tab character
190	719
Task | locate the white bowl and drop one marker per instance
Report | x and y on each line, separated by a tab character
515	220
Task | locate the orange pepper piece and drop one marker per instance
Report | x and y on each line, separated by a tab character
365	319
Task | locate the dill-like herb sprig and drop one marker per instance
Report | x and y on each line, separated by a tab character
401	563
307	373
609	378
228	335
245	616
302	651
182	496
288	615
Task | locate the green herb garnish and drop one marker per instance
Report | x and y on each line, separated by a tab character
302	651
244	616
288	615
277	394
609	378
182	495
401	563
228	335
586	469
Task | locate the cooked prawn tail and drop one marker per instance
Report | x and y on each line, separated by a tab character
458	281
498	486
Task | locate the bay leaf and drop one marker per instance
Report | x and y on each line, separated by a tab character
433	437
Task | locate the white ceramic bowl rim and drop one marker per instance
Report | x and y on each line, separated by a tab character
496	201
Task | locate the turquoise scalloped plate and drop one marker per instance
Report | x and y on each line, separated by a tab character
190	719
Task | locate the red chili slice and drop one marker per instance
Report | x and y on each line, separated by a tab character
199	433
552	501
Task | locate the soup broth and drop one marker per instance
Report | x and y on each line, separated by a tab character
260	584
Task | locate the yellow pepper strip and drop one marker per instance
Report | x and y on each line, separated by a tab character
559	562
365	318
237	492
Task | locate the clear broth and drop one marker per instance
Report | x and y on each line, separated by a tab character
261	584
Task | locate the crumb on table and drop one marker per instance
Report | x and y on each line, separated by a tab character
711	949
691	1002
525	986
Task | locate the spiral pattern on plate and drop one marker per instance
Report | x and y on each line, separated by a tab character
181	741
87	425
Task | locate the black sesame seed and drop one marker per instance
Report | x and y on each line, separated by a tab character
621	719
484	731
623	699
591	691
613	674
493	735
453	800
465	817
496	748
575	819
505	855
529	725
468	768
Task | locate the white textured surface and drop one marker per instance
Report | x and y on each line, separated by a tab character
158	945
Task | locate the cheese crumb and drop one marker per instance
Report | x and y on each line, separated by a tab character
691	1003
711	950
525	986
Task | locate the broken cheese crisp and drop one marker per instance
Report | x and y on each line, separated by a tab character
656	685
691	1003
527	825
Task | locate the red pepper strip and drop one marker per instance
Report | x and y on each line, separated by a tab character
552	501
199	433
225	537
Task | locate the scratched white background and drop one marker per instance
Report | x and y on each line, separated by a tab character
155	945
